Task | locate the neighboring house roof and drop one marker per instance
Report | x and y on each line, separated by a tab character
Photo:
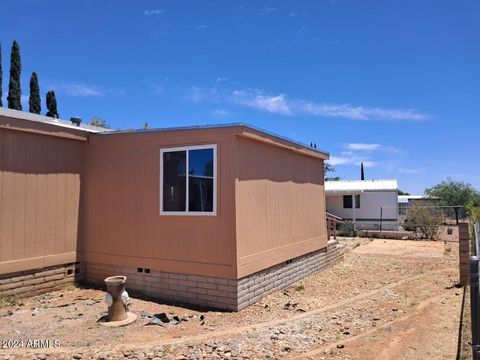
346	186
17	114
403	199
406	198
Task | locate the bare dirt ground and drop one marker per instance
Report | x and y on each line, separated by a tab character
388	299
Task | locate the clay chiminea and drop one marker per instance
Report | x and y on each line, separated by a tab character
116	298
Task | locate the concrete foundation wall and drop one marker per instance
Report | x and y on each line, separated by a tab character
212	292
253	287
170	287
39	281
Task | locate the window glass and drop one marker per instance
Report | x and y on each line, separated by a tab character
200	180
357	201
347	201
174	180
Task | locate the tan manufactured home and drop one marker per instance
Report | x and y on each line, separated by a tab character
216	216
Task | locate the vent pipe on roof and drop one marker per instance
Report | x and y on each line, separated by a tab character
76	120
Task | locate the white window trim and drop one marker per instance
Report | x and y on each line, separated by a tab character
186	212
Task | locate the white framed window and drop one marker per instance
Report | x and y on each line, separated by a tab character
348	201
188	180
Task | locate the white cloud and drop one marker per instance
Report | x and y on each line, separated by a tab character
80	89
352	160
266	10
402	170
153	12
157	88
357	112
362	146
282	105
197	94
201	27
338	160
272	104
222	113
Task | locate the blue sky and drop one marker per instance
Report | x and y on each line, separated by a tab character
395	84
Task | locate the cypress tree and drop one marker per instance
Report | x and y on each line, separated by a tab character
1	77
362	173
52	105
34	101
14	91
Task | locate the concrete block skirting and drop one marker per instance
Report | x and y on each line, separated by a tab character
39	281
214	292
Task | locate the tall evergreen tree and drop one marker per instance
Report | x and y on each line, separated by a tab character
14	90
362	173
1	77
52	105
34	101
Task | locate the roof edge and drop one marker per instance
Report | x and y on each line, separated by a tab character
42	119
216	126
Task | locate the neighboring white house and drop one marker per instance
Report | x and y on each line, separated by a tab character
370	204
405	202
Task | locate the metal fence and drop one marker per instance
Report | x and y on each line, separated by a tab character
474	291
426	221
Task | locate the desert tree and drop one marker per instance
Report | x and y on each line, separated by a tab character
34	101
51	104
14	90
328	168
99	122
454	193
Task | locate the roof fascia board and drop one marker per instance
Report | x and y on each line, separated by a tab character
50	129
42	119
253	134
347	192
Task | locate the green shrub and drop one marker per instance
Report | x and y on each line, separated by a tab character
299	288
6	301
424	221
473	211
345	229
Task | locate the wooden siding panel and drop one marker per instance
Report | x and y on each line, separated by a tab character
40	194
41	199
51	198
30	199
280	205
60	203
19	198
124	171
8	196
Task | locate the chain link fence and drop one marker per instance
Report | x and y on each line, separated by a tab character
420	221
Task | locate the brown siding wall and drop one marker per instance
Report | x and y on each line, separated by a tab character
123	224
280	205
69	197
41	179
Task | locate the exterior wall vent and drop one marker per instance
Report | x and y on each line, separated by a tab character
76	120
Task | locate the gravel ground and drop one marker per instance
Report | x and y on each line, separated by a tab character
383	298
